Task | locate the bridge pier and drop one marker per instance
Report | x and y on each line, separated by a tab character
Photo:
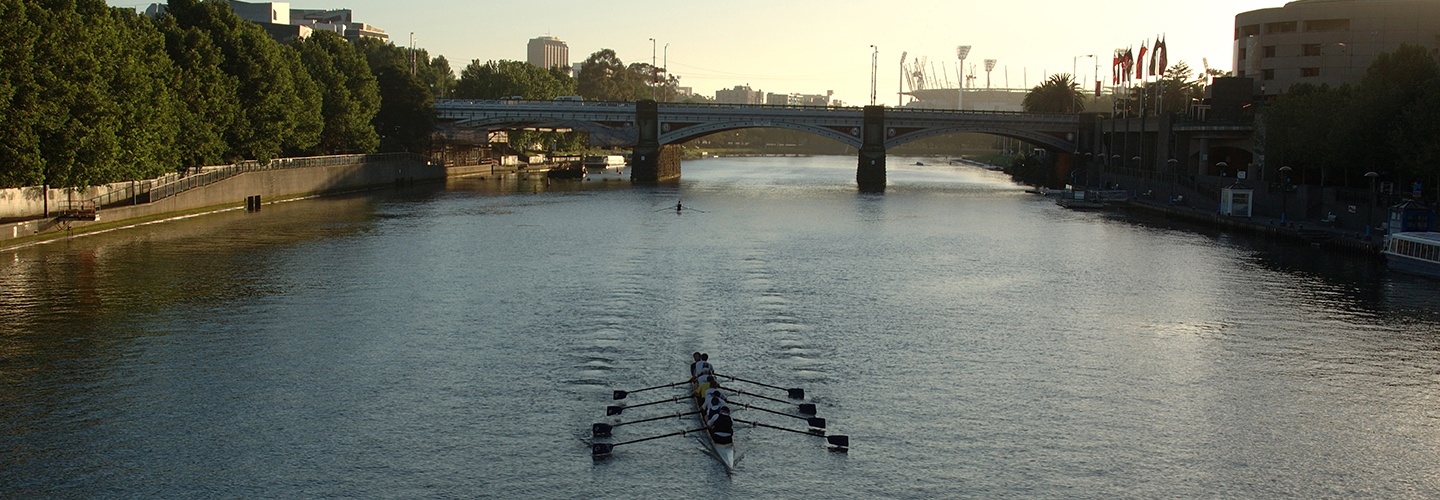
650	161
871	172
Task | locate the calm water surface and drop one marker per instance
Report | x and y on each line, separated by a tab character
972	340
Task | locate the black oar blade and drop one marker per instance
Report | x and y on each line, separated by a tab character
807	408
621	394
601	430
815	422
614	410
797	393
601	449
840	442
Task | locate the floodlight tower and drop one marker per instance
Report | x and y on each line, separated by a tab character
900	99
961	52
989	65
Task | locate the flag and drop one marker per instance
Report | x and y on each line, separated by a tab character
1129	63
1164	56
1140	63
1116	62
1154	55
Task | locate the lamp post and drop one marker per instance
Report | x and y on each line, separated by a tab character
1074	67
1170	165
874	65
1284	192
667	70
961	52
653	74
1370	215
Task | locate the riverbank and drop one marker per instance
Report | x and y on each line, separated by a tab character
1320	235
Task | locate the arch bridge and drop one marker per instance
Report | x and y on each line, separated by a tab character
653	129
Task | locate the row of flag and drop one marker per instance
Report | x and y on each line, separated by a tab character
1127	63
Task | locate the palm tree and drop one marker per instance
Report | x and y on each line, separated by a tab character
1059	94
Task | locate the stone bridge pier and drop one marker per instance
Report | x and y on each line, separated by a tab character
651	161
870	174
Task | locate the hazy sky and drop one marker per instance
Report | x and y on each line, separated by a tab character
810	46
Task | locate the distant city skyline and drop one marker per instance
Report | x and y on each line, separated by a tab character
809	46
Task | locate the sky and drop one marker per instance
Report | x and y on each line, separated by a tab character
812	46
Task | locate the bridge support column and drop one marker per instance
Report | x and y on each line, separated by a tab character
871	172
651	162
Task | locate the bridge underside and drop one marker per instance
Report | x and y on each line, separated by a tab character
655	131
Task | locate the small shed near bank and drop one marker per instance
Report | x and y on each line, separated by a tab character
1236	200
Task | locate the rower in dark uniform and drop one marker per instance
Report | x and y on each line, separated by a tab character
722	429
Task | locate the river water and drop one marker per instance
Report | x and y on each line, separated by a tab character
970	339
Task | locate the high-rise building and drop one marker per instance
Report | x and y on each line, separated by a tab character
548	52
741	94
1328	41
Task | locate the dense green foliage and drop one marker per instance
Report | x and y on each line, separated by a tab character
1387	124
1058	94
500	79
92	94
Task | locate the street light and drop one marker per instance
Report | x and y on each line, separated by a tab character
667	68
961	52
1370	216
1074	67
874	65
1284	191
1172	164
653	74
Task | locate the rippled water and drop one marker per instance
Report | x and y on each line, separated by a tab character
971	340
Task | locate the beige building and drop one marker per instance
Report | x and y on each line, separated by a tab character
741	94
1328	41
548	52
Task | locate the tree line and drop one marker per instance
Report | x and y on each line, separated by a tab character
92	94
1389	124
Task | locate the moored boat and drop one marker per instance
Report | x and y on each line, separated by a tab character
1414	252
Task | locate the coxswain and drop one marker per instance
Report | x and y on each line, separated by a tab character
722	429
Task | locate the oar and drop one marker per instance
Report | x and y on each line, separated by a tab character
805	408
602	449
815	422
616	410
839	441
621	394
603	430
795	393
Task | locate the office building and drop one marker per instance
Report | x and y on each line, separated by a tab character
548	52
1328	41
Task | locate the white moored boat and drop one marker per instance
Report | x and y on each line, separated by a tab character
1414	252
724	452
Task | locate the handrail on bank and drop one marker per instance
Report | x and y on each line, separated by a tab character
151	190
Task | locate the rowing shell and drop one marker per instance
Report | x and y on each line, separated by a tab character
725	453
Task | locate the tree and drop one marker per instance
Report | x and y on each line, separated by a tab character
604	77
1176	89
350	94
208	102
277	110
1058	94
436	74
499	79
407	108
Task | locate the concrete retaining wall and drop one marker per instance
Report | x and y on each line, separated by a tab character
269	185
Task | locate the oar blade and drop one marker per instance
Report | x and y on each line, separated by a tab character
601	430
601	449
840	442
614	410
797	393
815	422
621	395
807	408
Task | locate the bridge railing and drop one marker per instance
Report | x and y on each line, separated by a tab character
477	103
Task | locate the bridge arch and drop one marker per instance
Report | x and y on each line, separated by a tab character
685	134
1041	139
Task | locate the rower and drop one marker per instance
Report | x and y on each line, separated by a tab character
714	401
701	366
695	365
705	382
721	427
